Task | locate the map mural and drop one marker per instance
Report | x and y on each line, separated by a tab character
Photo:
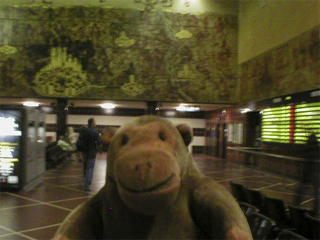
289	68
110	53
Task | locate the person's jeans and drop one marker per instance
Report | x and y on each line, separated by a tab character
88	167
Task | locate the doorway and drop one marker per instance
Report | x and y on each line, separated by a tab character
216	139
221	140
210	139
253	129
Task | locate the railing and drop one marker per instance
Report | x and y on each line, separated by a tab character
259	151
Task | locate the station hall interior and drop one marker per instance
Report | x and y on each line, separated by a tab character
244	74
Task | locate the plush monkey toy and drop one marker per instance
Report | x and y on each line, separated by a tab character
154	190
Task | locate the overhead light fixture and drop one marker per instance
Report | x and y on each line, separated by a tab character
186	108
245	110
108	105
31	104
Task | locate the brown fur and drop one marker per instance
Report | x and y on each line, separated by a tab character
155	191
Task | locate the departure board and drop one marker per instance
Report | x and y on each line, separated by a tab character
10	135
291	124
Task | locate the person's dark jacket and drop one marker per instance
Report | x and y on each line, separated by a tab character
92	139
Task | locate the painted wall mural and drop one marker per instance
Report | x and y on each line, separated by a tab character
289	68
109	53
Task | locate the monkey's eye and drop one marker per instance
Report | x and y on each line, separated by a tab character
162	136
124	140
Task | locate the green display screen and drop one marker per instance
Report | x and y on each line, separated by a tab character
291	124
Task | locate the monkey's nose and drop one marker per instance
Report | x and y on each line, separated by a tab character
143	169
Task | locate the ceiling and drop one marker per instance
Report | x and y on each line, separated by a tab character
185	6
119	104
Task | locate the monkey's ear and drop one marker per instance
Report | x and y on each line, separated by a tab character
186	133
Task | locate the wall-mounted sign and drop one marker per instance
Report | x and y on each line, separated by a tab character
10	137
291	124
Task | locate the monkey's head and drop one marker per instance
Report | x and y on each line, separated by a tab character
147	160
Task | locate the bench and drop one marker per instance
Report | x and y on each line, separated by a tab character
55	155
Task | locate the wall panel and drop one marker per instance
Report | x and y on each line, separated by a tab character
92	52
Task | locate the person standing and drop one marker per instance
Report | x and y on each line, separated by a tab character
92	139
72	137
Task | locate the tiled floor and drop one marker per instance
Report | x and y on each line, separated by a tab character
37	214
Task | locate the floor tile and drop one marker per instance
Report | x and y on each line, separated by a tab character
15	237
46	233
95	187
36	214
4	231
53	194
25	218
69	204
63	180
9	200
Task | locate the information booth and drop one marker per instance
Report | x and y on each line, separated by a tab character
22	147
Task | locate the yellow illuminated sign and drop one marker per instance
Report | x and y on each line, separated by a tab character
276	130
273	114
275	126
276	109
307	114
316	104
308	109
308	118
304	130
291	124
315	122
279	141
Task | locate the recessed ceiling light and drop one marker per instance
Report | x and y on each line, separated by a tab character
186	108
245	110
31	104
108	105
